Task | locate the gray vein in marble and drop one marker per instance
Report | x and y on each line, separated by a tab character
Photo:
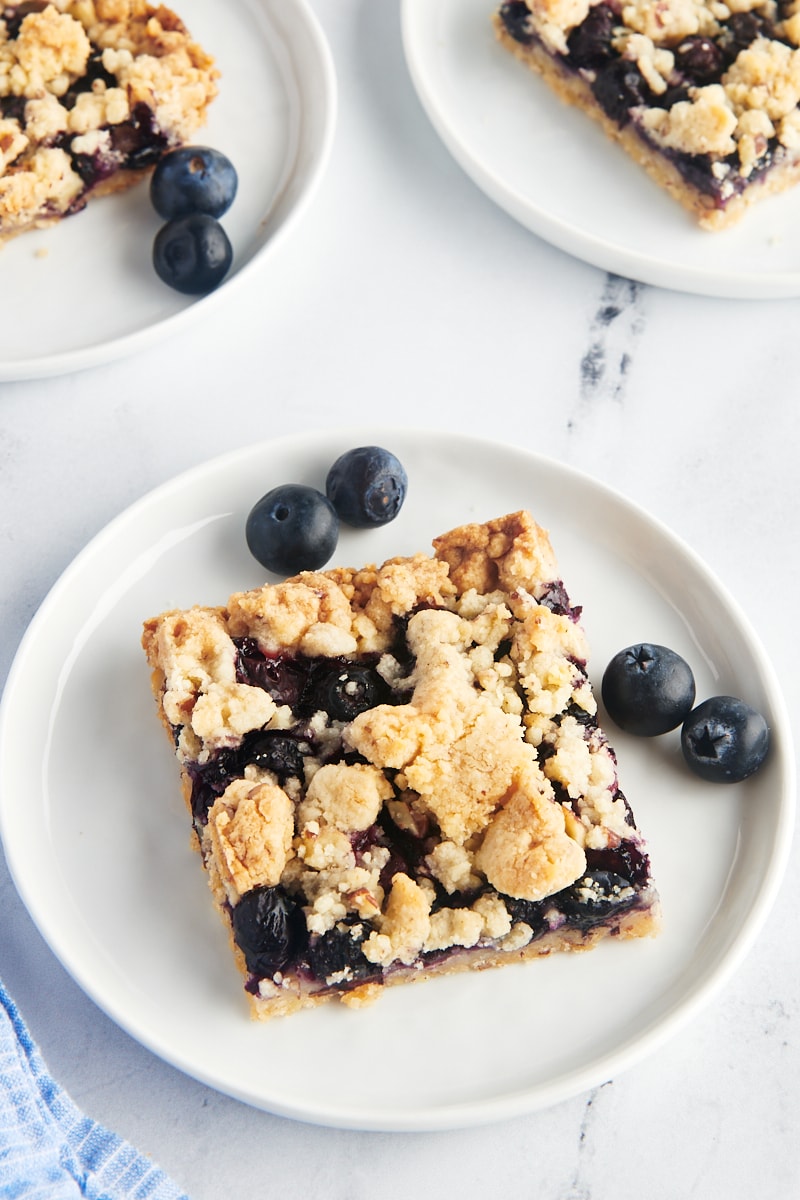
579	1188
614	333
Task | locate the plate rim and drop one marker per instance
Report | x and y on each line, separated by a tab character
475	1111
588	247
67	362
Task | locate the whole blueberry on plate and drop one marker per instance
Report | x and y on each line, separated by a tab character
193	179
648	689
292	528
724	740
192	254
367	486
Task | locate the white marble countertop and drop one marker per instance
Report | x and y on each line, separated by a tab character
406	297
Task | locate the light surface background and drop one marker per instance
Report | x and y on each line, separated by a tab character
406	297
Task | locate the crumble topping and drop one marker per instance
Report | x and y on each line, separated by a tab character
702	125
346	797
405	925
665	21
50	52
250	829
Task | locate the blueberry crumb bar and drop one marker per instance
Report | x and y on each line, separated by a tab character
397	772
703	94
92	94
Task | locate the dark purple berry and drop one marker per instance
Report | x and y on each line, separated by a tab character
284	678
648	689
741	29
273	751
93	74
589	43
595	897
338	952
345	692
618	88
531	912
699	59
367	486
193	179
210	781
555	598
626	859
292	528
269	929
192	254
138	142
516	16
724	740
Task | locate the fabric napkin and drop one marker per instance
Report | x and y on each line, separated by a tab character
49	1149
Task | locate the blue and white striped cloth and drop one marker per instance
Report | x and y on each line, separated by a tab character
49	1149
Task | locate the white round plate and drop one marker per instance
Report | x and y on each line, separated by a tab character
97	838
554	170
84	292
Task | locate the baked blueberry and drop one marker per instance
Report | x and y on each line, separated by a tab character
516	18
346	691
699	59
589	43
338	953
193	179
594	897
724	740
192	254
292	528
367	486
648	689
618	87
269	929
274	751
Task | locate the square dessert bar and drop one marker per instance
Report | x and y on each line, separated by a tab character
397	772
92	94
701	93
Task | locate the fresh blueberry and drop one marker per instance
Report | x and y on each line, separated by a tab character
367	486
724	740
293	528
192	254
648	689
269	929
193	179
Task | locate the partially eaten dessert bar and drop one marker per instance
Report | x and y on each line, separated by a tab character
397	772
92	94
701	93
